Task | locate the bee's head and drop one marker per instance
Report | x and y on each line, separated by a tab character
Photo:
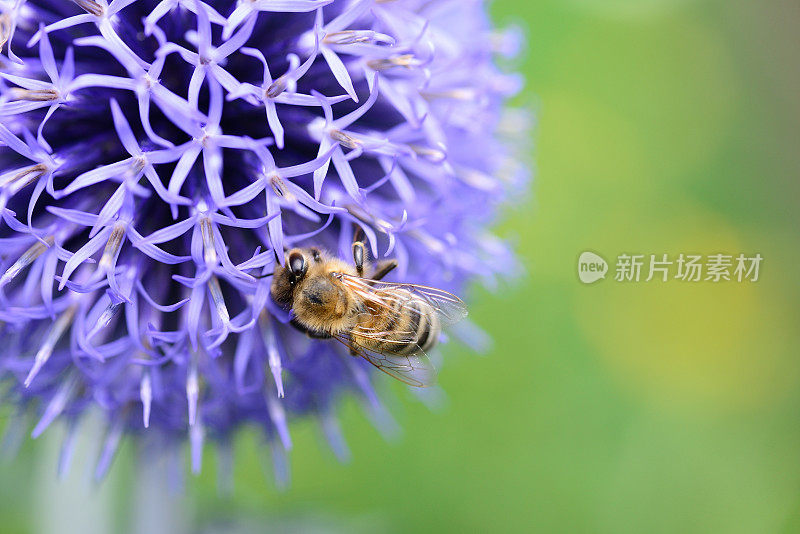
302	277
287	276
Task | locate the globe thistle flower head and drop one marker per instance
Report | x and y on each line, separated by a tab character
157	158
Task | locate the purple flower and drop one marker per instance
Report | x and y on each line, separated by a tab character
157	158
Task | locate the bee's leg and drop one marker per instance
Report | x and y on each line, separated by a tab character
383	268
359	251
353	350
360	257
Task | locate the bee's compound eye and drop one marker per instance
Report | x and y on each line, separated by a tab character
297	265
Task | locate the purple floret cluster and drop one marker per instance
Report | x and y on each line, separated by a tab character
157	158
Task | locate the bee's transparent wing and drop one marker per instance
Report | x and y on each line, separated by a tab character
449	308
396	337
413	369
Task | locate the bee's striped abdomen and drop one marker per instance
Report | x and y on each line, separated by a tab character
408	326
430	330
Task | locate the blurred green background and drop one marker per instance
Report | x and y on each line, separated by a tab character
663	126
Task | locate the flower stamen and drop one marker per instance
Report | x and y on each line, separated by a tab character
432	154
51	339
30	255
113	246
28	174
104	320
348	37
345	139
209	252
5	29
280	188
90	6
404	60
33	95
192	389
462	93
139	164
276	88
146	395
219	301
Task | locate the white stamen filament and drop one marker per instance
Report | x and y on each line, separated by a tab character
192	391
30	255
5	29
104	320
344	139
146	394
90	6
404	60
27	175
431	154
219	301
278	187
276	87
138	164
349	37
278	416
369	218
51	339
209	252
455	94
113	246
34	95
477	179
431	243
273	358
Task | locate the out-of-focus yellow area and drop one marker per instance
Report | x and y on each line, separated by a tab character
663	126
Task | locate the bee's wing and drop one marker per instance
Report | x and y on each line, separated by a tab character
415	369
449	308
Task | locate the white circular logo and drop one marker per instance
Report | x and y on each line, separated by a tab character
591	267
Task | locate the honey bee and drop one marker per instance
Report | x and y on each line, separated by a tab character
391	325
